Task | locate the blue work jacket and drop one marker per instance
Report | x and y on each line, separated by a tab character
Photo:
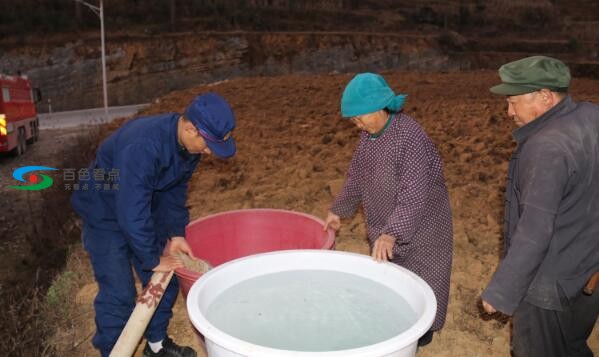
151	172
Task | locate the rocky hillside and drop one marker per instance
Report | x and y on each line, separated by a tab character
149	55
146	66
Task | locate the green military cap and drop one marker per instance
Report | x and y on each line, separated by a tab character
532	74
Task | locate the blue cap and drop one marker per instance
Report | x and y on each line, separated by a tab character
368	93
213	117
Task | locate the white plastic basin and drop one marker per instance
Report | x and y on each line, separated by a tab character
408	285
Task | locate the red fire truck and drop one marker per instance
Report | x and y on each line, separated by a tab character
19	124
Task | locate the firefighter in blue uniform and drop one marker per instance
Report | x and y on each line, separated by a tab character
154	158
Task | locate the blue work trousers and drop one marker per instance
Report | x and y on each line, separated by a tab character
113	262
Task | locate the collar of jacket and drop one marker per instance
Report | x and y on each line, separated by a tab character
389	121
526	131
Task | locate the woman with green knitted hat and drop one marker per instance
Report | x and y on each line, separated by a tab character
396	175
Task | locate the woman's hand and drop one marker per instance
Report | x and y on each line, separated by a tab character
383	248
333	221
169	263
179	245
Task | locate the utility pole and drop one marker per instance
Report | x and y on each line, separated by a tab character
99	11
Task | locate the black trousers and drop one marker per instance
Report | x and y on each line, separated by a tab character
550	333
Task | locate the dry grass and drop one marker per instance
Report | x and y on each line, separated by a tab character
36	297
64	331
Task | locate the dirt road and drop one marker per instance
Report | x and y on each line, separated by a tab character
71	119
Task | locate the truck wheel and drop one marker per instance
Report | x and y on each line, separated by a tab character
36	134
21	143
32	138
36	130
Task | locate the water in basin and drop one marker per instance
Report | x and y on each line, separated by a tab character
311	310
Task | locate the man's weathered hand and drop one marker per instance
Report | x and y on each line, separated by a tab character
169	263
383	248
333	221
179	245
489	309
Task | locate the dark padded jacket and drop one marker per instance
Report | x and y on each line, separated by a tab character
551	211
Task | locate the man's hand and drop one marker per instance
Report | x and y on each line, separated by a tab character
333	221
383	248
169	263
489	309
179	245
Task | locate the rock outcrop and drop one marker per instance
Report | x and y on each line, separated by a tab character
143	67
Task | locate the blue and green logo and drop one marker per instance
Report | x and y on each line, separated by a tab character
38	181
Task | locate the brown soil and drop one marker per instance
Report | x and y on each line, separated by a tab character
293	153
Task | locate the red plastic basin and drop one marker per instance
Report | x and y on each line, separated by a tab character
222	237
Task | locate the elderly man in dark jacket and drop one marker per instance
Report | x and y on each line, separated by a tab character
551	213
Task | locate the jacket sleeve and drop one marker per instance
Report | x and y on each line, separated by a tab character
347	201
172	206
543	176
412	193
137	167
